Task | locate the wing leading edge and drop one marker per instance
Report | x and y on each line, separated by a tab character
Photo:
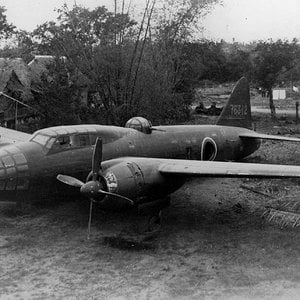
200	168
227	169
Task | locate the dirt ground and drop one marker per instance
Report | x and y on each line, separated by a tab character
215	243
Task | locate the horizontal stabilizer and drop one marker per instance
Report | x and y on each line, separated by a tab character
255	135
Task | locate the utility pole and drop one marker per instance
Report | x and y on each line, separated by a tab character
297	112
115	22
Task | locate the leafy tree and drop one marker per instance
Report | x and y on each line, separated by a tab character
21	45
270	59
238	64
213	60
91	41
119	56
132	68
57	97
6	29
171	60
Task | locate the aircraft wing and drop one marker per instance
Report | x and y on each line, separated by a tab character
255	135
226	169
8	136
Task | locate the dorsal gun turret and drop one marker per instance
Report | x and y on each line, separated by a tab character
139	123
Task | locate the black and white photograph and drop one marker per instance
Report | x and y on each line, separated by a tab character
149	149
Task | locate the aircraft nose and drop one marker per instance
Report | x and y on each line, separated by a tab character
14	170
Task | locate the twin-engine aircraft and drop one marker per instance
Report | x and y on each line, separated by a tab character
137	165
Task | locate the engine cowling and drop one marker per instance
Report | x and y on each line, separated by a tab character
139	181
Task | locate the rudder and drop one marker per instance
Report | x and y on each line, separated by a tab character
237	111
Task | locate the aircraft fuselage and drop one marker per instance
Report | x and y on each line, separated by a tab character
30	168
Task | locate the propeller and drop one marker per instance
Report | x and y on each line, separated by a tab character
90	218
97	159
95	188
70	180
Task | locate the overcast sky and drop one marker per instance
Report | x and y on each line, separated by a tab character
244	20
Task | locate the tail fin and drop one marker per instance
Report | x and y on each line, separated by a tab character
237	111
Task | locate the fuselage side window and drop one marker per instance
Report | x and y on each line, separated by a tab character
74	140
71	141
62	142
93	138
50	143
84	140
40	139
79	140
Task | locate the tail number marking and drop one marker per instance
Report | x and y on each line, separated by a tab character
238	110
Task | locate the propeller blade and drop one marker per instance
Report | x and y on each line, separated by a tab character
90	219
69	180
116	195
97	158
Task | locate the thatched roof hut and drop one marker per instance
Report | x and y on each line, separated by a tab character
14	75
15	81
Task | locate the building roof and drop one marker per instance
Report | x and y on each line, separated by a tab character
40	65
8	66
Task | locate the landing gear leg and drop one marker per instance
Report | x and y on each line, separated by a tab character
154	222
154	212
147	221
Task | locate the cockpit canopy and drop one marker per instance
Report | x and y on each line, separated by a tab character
61	138
140	124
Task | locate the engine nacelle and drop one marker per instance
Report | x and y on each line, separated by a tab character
139	181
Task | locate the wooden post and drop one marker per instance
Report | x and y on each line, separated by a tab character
272	106
16	117
297	112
